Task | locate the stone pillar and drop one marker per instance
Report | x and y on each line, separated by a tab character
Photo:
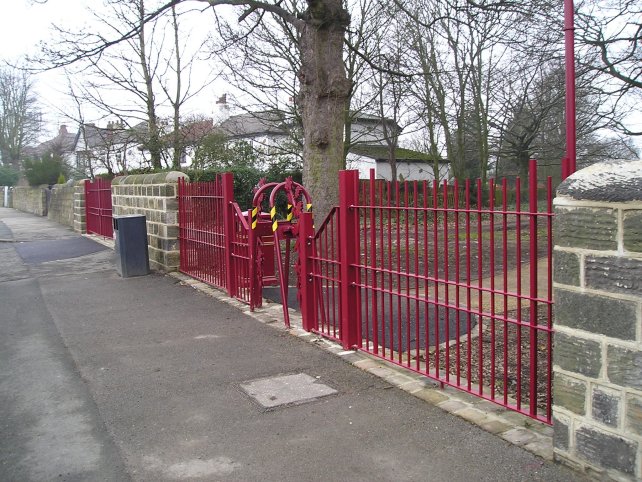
153	195
597	394
80	215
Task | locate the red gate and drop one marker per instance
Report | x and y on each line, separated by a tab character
98	207
215	238
454	282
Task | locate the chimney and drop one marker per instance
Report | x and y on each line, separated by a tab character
221	110
63	130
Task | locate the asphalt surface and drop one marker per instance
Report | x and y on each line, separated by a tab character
110	379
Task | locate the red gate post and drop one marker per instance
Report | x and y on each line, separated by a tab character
227	182
252	248
348	249
305	246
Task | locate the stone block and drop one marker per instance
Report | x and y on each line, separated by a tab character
577	355
596	314
606	407
615	274
633	421
589	228
566	268
569	393
561	432
624	367
632	235
606	450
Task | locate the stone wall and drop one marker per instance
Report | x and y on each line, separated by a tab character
80	215
597	413
31	199
61	204
153	195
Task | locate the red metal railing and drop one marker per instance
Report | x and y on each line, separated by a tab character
98	208
214	238
448	281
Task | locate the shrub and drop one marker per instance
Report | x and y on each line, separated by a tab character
8	176
45	170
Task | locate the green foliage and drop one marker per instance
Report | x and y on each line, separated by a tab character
61	179
245	179
215	152
45	170
8	176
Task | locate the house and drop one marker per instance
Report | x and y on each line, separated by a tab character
62	144
111	149
277	133
411	165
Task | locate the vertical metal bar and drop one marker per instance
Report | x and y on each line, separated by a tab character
227	180
469	342
348	246
375	264
397	291
532	180
480	298
491	241
435	245
425	277
518	253
549	297
366	262
306	236
457	281
416	232
569	53
446	284
407	213
505	272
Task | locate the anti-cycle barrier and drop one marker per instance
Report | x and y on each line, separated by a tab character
451	281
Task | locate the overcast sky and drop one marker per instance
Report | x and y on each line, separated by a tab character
26	23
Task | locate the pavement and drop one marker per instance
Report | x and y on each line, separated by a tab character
111	379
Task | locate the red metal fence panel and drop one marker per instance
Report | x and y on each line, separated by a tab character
215	238
453	282
98	208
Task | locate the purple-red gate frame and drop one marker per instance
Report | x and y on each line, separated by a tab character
98	207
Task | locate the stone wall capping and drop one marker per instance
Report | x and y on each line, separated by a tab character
614	181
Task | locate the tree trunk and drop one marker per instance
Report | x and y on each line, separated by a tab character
153	140
324	93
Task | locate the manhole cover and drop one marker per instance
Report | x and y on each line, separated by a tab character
286	390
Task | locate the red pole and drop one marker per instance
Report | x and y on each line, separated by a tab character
569	49
348	246
227	180
306	240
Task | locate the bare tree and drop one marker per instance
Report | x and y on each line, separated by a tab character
610	38
19	115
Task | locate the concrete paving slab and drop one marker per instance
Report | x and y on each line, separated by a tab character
286	390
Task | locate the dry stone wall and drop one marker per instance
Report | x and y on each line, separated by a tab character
61	204
597	413
153	195
30	199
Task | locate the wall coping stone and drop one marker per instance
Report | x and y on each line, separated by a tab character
170	177
611	181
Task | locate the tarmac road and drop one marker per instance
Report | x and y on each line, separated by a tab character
110	379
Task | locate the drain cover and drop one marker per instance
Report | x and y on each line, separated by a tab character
286	390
